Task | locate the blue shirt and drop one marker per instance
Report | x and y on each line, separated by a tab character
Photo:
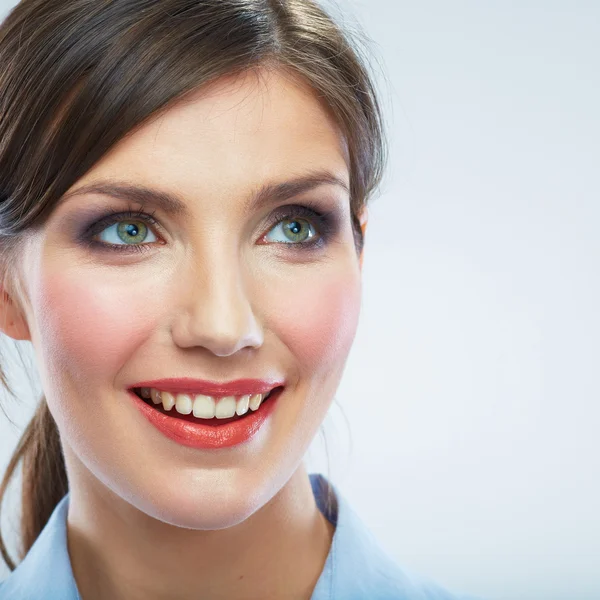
357	568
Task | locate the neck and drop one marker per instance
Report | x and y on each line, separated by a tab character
119	552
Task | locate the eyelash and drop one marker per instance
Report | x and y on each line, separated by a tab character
325	226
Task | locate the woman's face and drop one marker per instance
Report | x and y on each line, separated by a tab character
207	298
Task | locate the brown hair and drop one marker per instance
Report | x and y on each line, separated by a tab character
78	75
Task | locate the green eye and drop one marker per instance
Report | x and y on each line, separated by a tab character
127	231
294	230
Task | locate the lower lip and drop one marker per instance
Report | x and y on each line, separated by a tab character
198	435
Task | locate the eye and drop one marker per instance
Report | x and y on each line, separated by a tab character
128	231
121	232
294	231
301	227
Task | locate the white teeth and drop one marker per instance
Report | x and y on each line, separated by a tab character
168	400
255	401
156	396
204	406
183	404
242	405
225	407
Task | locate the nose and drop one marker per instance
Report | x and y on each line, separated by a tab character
215	310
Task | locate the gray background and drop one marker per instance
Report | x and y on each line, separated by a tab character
472	450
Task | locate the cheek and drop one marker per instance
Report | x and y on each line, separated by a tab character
91	329
317	321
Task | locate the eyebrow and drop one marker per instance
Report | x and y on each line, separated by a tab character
174	205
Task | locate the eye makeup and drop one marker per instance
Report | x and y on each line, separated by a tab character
325	222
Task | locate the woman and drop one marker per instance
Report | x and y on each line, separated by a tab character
184	192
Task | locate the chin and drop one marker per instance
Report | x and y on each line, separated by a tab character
212	519
198	505
200	516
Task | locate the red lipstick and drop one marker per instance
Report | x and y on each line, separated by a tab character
193	432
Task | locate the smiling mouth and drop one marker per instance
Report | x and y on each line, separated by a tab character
214	421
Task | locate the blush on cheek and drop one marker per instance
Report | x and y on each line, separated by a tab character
93	327
318	322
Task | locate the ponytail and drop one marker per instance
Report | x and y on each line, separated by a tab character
44	478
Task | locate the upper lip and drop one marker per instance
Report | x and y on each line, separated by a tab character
186	385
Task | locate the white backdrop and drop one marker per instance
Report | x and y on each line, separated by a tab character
473	452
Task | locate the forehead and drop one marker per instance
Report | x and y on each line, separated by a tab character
238	131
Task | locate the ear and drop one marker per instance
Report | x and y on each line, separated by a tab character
363	218
12	320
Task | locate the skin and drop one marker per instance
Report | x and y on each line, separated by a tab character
149	518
